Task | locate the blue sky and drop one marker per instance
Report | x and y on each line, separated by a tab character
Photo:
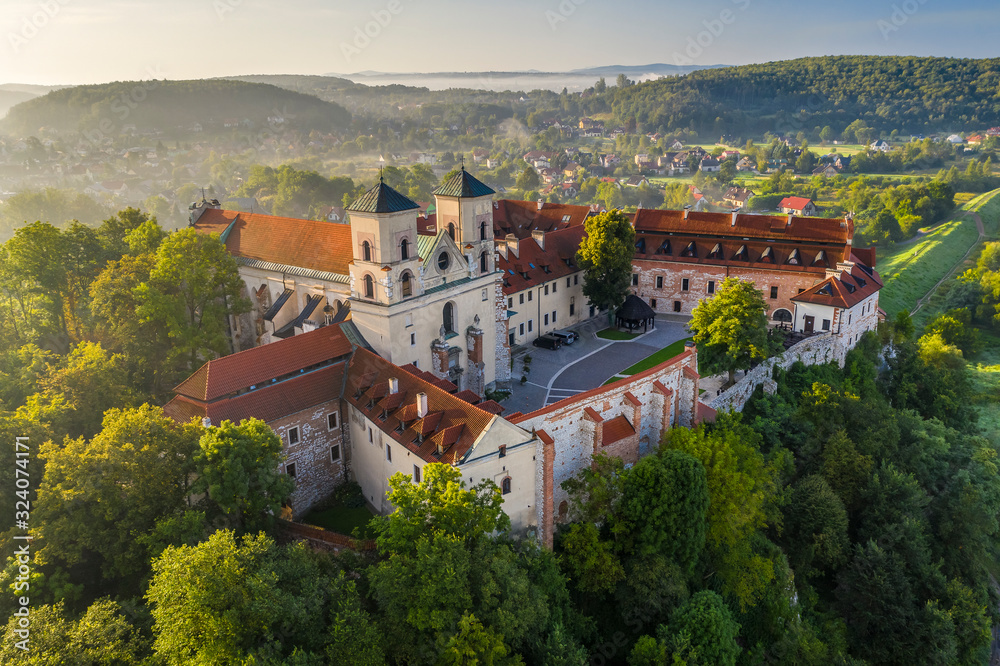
90	41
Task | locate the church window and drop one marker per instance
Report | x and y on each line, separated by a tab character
406	285
483	263
482	231
448	318
451	230
444	261
366	251
369	287
404	249
505	486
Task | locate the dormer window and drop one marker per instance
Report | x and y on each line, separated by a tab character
716	252
664	247
767	256
820	259
742	254
690	251
640	246
794	259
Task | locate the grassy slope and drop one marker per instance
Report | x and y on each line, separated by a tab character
911	270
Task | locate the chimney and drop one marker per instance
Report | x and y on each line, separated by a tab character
788	222
512	246
733	222
502	249
393	386
539	237
421	405
540	203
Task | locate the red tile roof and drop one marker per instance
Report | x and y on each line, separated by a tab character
254	367
529	267
311	244
522	217
844	290
450	422
269	403
616	430
794	203
779	243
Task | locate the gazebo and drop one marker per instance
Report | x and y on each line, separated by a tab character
634	313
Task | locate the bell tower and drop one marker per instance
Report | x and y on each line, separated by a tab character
465	208
384	245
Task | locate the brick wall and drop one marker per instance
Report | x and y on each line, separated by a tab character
666	396
316	475
789	284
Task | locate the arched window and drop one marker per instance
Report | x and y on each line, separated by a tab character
448	318
505	486
482	231
451	230
444	261
406	285
563	510
366	251
782	315
404	249
369	287
483	264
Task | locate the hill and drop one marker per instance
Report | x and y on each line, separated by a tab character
913	95
162	105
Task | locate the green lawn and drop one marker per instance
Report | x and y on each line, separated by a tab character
909	271
341	519
985	371
615	334
659	357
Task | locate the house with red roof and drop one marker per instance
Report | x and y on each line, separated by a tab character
844	304
295	387
800	206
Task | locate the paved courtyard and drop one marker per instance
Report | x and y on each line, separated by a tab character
586	364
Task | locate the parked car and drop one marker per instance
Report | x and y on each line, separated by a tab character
548	341
567	336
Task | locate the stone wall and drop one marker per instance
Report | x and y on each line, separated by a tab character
570	431
821	348
316	474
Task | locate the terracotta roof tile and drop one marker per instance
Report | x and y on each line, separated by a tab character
545	437
616	430
253	367
269	403
592	413
445	411
843	291
632	399
541	266
313	244
522	217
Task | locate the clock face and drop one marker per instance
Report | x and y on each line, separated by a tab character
444	261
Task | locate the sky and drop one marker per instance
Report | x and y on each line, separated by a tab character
52	42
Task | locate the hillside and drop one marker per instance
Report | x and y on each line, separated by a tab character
915	95
162	105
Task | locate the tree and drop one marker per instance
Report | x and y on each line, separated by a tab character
528	180
238	468
826	134
247	600
192	290
741	489
731	328
955	328
815	527
663	508
806	162
605	255
99	497
702	632
101	637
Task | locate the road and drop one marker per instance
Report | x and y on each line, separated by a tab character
587	363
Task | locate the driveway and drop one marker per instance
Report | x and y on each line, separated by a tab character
586	364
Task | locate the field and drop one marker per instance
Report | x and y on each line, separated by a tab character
910	270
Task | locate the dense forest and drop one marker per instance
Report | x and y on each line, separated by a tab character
165	105
908	94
